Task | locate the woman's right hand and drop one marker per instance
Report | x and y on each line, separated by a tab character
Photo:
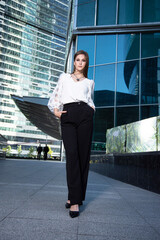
58	113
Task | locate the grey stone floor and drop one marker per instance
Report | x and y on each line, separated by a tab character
32	198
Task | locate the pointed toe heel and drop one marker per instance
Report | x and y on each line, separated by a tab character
73	214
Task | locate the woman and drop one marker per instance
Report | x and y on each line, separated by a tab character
74	92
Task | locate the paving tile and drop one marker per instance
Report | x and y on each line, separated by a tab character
118	231
31	229
32	198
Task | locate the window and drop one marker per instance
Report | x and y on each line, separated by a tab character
85	13
105	49
128	11
128	46
128	83
87	43
150	11
106	12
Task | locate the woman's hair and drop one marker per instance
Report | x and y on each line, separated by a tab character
85	70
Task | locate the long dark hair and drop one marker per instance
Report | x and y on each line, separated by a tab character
85	70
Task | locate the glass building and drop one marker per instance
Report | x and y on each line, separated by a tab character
122	38
32	53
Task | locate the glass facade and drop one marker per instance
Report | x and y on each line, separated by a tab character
33	40
123	43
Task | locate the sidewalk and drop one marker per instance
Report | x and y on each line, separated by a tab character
32	198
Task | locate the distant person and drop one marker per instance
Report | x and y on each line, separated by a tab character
39	151
45	151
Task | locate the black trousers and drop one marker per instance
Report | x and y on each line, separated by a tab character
77	128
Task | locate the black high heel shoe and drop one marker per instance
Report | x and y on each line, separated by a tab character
68	205
73	214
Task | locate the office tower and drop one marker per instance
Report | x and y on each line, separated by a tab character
32	53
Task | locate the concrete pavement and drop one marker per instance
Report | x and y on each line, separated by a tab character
32	198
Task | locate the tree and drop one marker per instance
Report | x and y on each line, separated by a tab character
50	152
7	150
30	153
19	150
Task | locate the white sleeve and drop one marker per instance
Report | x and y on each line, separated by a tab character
91	94
55	99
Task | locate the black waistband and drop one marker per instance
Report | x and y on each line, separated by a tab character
75	104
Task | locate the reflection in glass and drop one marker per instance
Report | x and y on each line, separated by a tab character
128	11
150	87
102	121
128	83
126	115
104	98
149	111
128	46
106	12
150	44
85	13
105	77
105	49
87	43
150	11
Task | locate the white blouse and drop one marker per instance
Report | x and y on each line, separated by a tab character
68	90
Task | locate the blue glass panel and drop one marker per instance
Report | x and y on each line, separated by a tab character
128	46
150	90
128	11
85	13
150	44
150	11
87	43
105	77
125	115
105	49
106	12
149	111
90	72
104	118
128	83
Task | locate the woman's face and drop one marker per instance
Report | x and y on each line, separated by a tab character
80	62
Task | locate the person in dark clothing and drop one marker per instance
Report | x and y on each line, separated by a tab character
39	150
45	151
72	102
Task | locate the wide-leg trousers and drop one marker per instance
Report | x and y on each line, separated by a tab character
77	128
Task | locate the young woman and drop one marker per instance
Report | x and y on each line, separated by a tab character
74	93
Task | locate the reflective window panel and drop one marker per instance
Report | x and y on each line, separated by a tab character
90	72
85	13
106	12
87	43
128	46
105	49
149	111
103	119
126	115
128	83
128	11
150	44
105	77
104	98
150	11
150	88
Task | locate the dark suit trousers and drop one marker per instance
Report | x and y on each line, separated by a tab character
77	128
